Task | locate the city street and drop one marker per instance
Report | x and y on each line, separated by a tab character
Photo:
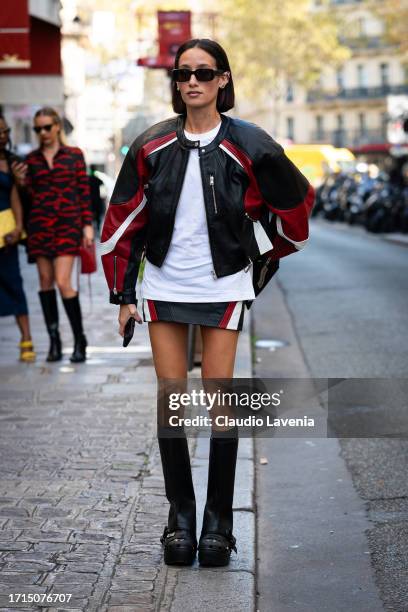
333	514
199	145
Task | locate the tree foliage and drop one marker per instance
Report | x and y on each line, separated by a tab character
271	41
394	15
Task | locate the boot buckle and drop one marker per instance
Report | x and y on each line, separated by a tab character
166	534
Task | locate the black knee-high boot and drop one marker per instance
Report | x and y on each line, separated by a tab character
73	310
179	536
48	301
217	540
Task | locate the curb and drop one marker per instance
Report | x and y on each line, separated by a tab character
397	238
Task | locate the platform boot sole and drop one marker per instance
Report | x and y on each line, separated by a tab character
179	554
213	556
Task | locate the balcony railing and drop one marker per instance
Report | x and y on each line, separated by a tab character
356	93
349	138
364	42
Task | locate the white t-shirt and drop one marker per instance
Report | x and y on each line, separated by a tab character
186	273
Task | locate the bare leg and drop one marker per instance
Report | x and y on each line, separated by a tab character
45	268
23	323
169	347
219	352
63	266
218	359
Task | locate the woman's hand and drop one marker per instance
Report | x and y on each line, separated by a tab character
12	237
88	235
19	170
125	312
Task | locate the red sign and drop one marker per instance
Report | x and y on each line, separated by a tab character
174	30
14	34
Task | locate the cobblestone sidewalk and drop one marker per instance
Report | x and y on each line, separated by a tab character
82	502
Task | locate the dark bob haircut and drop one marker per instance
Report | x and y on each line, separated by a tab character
226	96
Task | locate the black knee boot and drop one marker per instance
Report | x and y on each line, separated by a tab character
179	536
73	310
217	540
48	300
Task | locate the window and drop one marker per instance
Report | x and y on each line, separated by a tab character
384	125
384	74
339	135
362	123
361	26
340	78
289	92
319	127
290	128
361	76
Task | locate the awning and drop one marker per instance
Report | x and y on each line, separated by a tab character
14	35
383	147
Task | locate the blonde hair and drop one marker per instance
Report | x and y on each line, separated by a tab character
48	111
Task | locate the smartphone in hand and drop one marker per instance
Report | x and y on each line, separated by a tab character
128	331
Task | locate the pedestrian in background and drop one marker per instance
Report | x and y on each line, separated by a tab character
60	219
12	297
98	202
196	195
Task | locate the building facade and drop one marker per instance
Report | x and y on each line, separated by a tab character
29	28
348	107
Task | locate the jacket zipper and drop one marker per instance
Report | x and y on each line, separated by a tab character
213	193
115	291
263	272
249	265
213	272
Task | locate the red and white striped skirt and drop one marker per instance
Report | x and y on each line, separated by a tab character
225	315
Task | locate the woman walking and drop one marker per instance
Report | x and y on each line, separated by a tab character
213	203
12	297
60	219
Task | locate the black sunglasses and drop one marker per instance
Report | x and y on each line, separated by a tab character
183	75
47	128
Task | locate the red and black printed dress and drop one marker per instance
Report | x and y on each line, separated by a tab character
60	202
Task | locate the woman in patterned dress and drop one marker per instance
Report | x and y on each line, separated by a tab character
60	218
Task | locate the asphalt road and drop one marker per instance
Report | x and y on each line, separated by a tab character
332	525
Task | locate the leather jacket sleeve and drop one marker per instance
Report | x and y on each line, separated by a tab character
124	228
288	194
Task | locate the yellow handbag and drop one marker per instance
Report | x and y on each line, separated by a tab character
7	225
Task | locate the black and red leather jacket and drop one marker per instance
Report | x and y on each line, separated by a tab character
257	203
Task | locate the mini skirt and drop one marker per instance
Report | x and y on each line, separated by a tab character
225	315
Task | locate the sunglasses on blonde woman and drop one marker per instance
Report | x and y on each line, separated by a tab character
38	128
